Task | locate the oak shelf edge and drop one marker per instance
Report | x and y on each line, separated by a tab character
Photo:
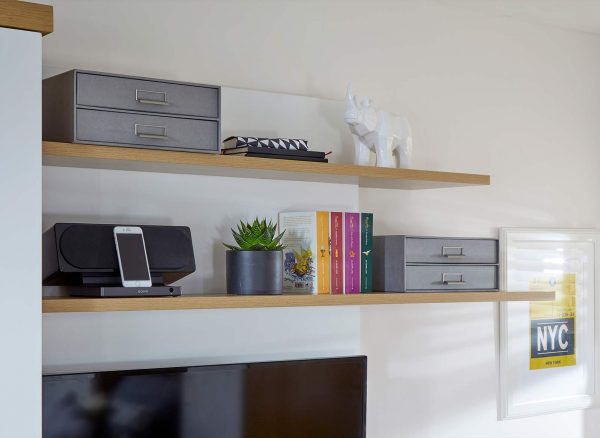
130	158
222	301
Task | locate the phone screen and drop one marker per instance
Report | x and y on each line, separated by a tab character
133	257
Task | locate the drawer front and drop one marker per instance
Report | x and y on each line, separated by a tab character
145	130
452	251
146	95
451	277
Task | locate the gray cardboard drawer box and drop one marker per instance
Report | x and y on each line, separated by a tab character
449	250
135	94
144	130
66	95
413	263
451	277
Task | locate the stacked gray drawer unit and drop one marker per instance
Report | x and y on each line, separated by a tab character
437	264
100	108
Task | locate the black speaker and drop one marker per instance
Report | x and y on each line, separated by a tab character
85	254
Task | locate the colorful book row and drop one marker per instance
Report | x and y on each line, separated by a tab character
327	252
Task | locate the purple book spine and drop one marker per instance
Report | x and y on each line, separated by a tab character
352	252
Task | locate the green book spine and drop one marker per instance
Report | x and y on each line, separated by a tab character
366	252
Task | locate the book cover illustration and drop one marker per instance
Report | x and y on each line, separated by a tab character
366	248
306	256
352	253
337	252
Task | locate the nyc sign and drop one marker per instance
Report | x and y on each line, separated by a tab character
552	343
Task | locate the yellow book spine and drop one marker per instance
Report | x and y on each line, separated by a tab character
323	252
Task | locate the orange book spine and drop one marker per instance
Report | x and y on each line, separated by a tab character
323	252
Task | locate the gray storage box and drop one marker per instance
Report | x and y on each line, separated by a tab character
451	277
100	108
447	250
417	264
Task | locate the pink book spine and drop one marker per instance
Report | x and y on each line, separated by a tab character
337	252
352	252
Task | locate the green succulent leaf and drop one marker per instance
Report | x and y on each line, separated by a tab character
258	235
255	228
274	244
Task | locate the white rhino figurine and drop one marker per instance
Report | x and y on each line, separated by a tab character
378	131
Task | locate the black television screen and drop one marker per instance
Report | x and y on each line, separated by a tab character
317	398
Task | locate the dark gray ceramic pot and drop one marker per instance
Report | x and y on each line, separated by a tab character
254	272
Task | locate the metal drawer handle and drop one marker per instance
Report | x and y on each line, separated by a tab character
451	282
459	254
162	136
163	101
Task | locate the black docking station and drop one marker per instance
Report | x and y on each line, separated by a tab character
126	292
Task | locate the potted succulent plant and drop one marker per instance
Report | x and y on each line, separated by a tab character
255	265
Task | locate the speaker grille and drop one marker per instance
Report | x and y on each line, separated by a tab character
169	249
92	247
89	247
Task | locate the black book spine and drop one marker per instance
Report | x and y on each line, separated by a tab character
291	152
288	157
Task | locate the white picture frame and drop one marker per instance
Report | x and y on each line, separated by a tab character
531	259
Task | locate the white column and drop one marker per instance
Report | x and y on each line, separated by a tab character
20	233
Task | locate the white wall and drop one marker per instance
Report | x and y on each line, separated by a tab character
21	200
485	94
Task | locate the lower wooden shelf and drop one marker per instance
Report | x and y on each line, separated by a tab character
71	304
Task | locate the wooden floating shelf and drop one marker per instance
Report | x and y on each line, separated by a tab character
126	158
186	302
28	16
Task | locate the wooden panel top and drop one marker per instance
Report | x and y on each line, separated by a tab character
186	302
126	158
34	17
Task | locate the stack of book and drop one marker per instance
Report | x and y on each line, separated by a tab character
277	148
327	252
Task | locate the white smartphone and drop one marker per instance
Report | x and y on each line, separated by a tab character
133	261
